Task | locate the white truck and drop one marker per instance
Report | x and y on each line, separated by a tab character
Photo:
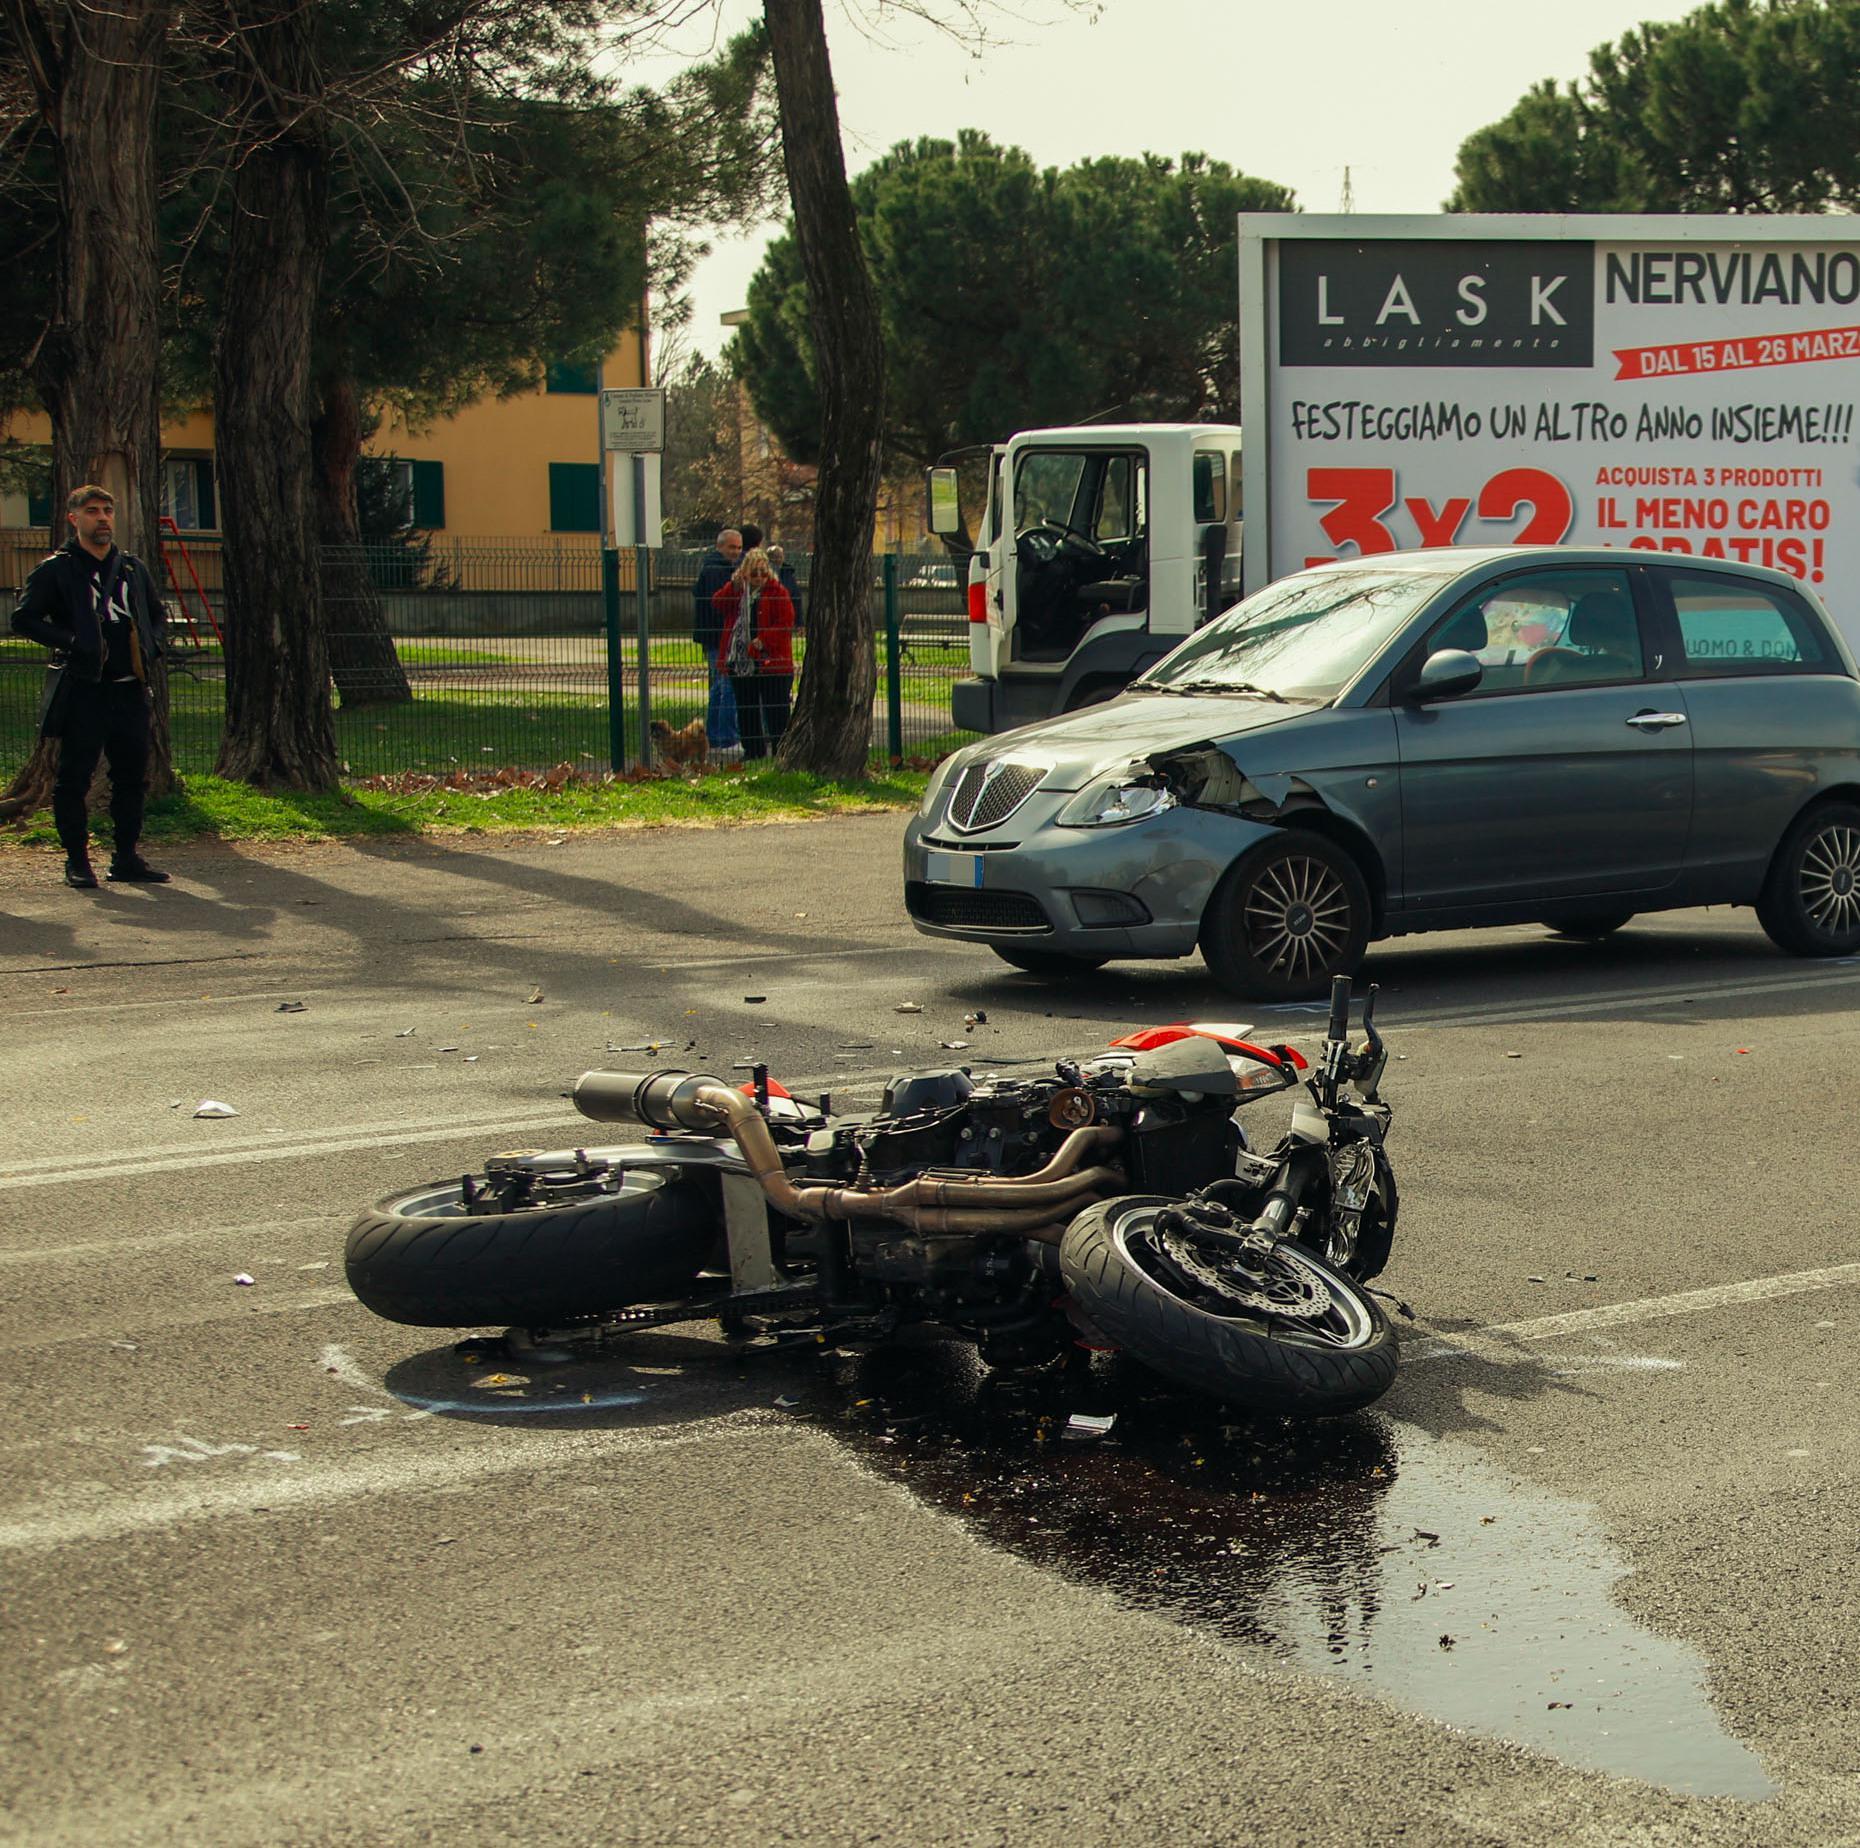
1099	547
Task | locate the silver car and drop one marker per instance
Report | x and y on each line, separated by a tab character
1422	741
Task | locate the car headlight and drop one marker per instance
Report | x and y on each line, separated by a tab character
1110	804
939	781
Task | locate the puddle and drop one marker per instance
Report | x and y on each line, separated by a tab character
1353	1548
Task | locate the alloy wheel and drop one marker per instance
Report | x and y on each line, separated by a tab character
1297	918
1830	879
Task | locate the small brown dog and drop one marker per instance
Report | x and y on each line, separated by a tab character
683	749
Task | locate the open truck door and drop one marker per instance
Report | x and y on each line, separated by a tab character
1101	547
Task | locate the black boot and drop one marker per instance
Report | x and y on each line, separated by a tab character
78	873
131	867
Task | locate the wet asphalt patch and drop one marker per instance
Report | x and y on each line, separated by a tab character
1360	1547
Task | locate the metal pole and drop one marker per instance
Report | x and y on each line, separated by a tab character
894	684
642	590
616	680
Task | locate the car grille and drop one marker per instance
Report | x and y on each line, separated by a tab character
987	794
964	908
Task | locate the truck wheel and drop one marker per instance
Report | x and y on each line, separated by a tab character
1092	693
1286	919
1589	926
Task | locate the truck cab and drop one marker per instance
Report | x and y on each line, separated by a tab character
1099	548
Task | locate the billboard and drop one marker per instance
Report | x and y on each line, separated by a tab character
1656	383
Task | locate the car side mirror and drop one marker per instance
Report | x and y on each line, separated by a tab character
1446	674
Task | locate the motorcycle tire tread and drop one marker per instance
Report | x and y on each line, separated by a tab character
536	1268
1212	1354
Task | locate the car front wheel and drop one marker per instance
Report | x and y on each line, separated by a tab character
1286	919
1810	903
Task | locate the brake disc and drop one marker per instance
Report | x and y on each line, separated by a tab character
1285	1290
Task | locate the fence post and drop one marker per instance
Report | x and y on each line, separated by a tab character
642	590
616	681
894	682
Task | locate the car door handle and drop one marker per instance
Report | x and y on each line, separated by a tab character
1656	721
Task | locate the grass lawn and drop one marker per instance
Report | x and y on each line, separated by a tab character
211	808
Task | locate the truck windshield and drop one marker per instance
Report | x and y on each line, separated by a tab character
1046	488
1305	637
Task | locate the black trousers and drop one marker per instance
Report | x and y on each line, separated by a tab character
761	711
110	720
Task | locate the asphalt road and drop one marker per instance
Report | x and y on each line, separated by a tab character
274	1571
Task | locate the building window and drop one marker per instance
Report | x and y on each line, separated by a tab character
398	495
187	493
575	497
569	376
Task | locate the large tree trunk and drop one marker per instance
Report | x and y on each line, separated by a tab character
279	726
361	650
96	74
831	732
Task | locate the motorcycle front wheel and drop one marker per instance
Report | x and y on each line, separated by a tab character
426	1259
1302	1339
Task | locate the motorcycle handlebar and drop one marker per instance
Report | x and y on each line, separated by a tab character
1340	1007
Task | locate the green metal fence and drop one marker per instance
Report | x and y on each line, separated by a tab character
474	654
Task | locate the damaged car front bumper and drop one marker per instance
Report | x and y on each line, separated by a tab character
1137	889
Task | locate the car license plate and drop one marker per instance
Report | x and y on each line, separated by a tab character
963	869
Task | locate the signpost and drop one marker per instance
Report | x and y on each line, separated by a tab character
1675	384
632	425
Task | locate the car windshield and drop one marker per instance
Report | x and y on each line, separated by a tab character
1305	638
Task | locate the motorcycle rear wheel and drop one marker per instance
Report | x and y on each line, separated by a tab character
1124	1283
422	1259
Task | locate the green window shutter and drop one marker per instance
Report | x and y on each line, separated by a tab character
575	497
566	377
429	495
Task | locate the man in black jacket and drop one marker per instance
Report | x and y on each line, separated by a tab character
97	609
707	629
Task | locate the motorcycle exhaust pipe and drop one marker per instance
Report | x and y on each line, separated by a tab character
660	1100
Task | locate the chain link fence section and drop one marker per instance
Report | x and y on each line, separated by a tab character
454	654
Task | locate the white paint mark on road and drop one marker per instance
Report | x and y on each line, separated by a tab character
1500	1337
337	1360
317	1484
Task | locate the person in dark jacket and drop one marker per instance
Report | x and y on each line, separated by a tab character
707	630
758	650
97	609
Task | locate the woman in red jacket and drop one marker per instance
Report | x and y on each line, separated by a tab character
758	653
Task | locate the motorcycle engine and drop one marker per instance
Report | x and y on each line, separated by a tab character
1176	1139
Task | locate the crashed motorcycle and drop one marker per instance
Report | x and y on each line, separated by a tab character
1115	1202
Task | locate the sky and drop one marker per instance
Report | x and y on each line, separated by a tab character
1286	92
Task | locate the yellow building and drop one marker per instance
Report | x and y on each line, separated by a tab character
527	467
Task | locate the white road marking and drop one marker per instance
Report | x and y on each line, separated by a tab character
510	1452
1668	994
64	1171
43	1171
1501	1337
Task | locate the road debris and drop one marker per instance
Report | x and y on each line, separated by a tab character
406	1033
536	994
245	1278
908	1007
1088	1427
293	1007
755	1000
212	1107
